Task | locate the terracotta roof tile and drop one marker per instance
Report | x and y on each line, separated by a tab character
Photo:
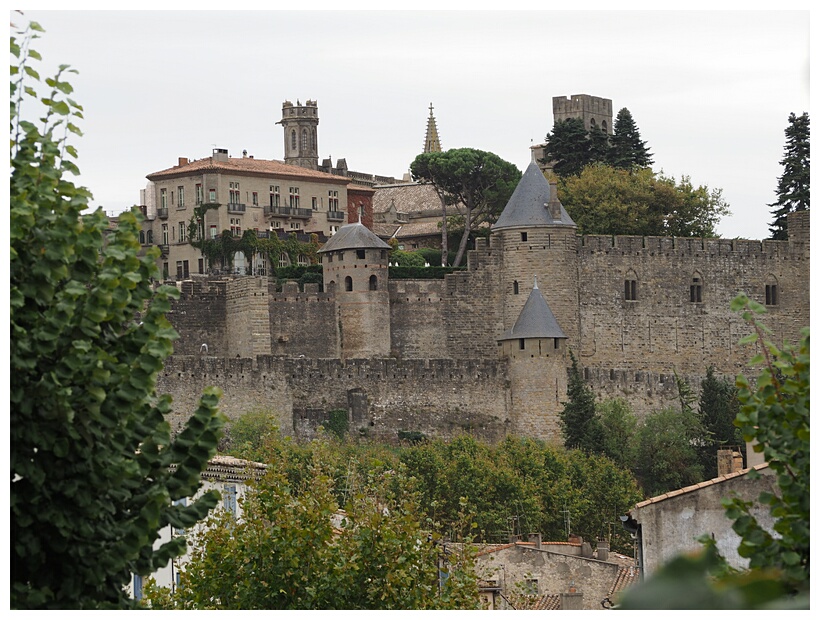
700	485
246	165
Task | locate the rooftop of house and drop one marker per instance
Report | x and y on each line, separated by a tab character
698	486
231	468
244	165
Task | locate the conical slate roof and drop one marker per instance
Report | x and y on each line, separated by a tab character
354	237
535	321
526	206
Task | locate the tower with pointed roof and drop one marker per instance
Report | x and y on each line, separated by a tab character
536	349
431	141
537	239
354	267
301	141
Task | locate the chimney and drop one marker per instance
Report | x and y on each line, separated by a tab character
244	153
183	161
586	550
603	550
535	538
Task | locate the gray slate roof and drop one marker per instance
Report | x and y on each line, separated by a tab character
535	321
354	237
526	205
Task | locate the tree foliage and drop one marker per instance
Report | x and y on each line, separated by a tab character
580	425
793	186
294	549
606	200
717	408
627	150
475	184
570	149
94	471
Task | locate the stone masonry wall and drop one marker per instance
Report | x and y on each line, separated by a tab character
200	317
417	318
302	323
440	398
248	317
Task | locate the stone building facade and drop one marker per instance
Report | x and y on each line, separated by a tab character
444	356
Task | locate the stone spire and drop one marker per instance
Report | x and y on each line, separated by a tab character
431	141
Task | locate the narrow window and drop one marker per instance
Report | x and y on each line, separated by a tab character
348	283
293	140
212	196
182	226
314	203
142	237
521	343
523	236
163	199
360	254
631	290
695	291
179	269
771	295
199	193
150	237
304	141
374	286
255	196
201	265
341	256
137	587
213	231
165	234
181	197
515	287
555	343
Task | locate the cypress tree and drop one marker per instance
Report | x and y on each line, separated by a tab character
793	186
628	150
580	425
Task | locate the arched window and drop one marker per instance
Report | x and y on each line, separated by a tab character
515	287
603	126
592	123
284	259
772	292
631	286
331	286
142	237
293	139
348	283
150	237
313	140
696	288
304	141
302	260
374	283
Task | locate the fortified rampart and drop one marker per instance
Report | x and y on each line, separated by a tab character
438	397
636	311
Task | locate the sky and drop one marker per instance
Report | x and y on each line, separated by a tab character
709	91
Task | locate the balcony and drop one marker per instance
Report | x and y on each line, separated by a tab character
336	216
289	212
162	213
236	207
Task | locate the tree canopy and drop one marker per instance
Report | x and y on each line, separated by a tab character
611	201
473	183
94	471
793	186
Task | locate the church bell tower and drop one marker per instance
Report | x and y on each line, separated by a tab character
301	143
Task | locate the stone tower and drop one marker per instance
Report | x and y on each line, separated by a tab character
537	240
594	111
431	141
536	349
301	143
354	264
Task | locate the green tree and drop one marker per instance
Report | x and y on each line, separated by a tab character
619	427
294	549
580	425
793	186
606	200
667	456
627	149
718	407
94	471
568	147
477	184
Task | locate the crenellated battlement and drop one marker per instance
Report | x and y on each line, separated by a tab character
687	247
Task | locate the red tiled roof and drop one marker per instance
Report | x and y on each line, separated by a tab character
627	576
699	485
246	165
540	603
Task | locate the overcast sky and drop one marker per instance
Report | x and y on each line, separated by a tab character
710	91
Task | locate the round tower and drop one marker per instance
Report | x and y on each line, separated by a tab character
354	265
537	239
301	142
537	352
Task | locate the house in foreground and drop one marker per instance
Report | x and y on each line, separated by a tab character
552	575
